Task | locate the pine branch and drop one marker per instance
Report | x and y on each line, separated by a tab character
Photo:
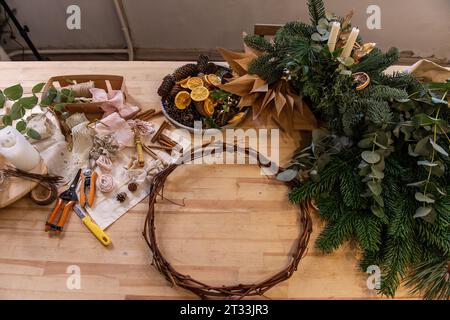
328	178
258	43
336	233
376	62
379	113
368	229
267	68
430	278
351	189
383	92
316	11
330	206
293	31
400	80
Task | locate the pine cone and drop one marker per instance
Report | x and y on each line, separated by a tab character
176	88
202	63
132	186
121	197
166	85
211	68
185	71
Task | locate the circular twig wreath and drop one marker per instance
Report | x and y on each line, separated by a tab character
199	288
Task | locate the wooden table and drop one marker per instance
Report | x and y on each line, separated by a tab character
236	226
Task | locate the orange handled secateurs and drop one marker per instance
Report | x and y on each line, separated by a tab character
66	200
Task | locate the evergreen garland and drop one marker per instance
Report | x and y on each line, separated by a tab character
379	171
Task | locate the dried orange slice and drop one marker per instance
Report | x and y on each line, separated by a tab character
194	82
205	79
237	118
208	107
362	80
183	82
199	93
214	80
182	100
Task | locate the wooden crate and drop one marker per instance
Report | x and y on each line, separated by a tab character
93	111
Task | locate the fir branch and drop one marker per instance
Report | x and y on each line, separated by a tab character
336	233
379	113
266	67
368	230
431	278
328	179
330	206
316	11
293	31
376	62
351	189
258	43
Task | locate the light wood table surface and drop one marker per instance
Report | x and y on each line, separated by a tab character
236	226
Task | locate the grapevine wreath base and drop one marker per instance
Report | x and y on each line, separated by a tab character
201	289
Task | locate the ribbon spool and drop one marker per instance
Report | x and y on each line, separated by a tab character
43	195
105	183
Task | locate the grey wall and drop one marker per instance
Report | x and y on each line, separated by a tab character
417	25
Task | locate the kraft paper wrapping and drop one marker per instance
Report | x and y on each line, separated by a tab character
428	71
273	103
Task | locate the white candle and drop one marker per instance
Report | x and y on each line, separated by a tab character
332	40
350	43
17	150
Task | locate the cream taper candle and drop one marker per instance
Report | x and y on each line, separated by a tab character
332	40
17	150
350	43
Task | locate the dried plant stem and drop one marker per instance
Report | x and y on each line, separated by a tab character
204	290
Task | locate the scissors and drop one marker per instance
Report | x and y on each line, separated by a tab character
66	201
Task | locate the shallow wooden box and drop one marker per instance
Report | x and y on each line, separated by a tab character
92	110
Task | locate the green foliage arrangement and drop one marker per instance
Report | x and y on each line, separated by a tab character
379	168
16	114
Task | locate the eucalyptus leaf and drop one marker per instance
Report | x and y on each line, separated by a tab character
379	200
7	121
417	184
365	143
377	174
439	170
411	152
370	157
323	23
427	163
380	145
423	119
378	211
423	147
439	101
375	187
322	30
21	126
28	102
431	217
316	37
38	88
33	134
13	93
2	99
59	107
17	111
423	198
438	148
422	212
287	175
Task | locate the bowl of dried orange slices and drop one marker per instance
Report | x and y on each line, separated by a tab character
192	93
